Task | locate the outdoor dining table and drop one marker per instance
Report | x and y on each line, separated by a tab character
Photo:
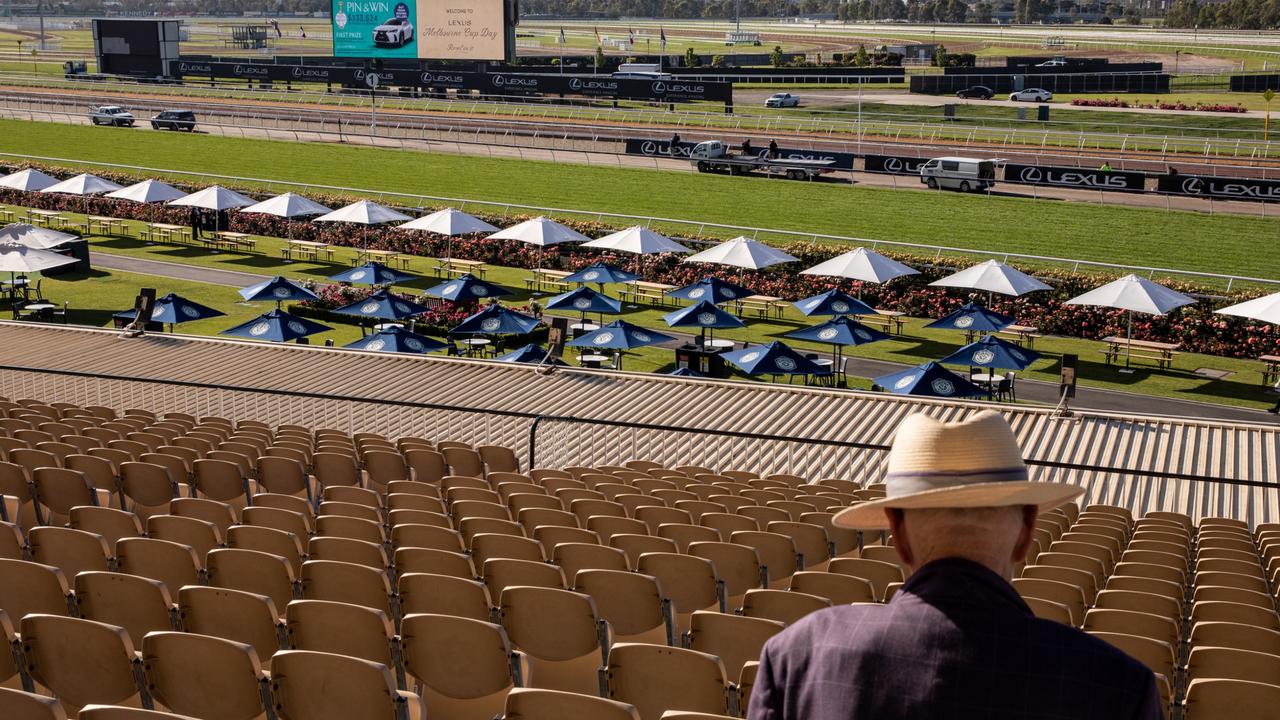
228	240
720	343
165	232
1270	369
592	360
455	266
1118	348
45	218
1024	335
764	305
553	279
475	345
8	215
581	328
639	290
106	224
38	311
386	257
306	249
890	320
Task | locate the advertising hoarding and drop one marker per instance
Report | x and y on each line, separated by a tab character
424	29
1082	178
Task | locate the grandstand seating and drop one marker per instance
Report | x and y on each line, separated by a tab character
430	576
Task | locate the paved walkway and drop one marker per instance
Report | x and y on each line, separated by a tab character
1034	390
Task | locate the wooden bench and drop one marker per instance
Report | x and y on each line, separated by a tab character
1270	369
763	305
1024	335
1162	359
890	320
654	293
552	279
455	267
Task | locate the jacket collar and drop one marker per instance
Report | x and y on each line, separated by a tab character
960	581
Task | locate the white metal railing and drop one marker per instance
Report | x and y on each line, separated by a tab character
420	202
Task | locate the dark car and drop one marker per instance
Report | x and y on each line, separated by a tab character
977	92
174	120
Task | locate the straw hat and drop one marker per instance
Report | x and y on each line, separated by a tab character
972	463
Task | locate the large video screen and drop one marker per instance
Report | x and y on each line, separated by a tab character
427	29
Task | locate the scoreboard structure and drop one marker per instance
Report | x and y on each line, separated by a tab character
140	48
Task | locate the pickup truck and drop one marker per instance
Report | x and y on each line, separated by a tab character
110	115
714	156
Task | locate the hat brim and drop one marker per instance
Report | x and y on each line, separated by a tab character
1044	495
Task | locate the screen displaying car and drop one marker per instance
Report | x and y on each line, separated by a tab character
395	32
1031	95
781	100
976	92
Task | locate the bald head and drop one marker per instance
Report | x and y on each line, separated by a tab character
996	537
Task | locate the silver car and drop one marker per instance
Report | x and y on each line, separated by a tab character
1031	95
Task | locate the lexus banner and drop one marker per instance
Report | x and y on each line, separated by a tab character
1082	178
894	164
662	148
1221	188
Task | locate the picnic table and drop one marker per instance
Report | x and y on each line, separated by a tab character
387	257
46	218
553	279
1161	353
1270	369
655	293
890	320
764	305
1024	335
306	249
165	232
449	267
8	215
107	225
228	240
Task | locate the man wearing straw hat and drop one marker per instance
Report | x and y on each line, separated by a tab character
956	641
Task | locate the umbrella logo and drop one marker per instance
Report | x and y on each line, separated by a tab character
840	306
602	338
828	334
359	274
750	357
369	307
479	291
281	292
1017	355
261	328
582	303
591	275
983	357
491	324
862	334
696	293
376	345
190	311
297	327
964	322
450	289
904	382
785	363
401	307
414	344
707	318
943	386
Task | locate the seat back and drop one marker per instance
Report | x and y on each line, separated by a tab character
252	571
838	588
535	704
425	593
236	615
18	705
348	583
782	605
1232	664
323	686
204	676
139	605
80	661
735	639
632	604
1207	699
655	679
560	633
341	628
463	667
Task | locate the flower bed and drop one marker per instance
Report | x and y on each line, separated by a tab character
1195	326
1118	103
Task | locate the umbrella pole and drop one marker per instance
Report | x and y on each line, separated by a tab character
1128	343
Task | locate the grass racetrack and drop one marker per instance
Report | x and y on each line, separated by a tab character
1135	236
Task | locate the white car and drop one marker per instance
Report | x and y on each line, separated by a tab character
781	100
1031	95
396	32
110	115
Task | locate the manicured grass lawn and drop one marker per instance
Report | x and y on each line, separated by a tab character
1189	241
95	298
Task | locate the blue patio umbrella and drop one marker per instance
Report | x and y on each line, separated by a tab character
495	319
833	302
776	358
972	318
928	380
839	331
704	315
585	300
396	339
990	351
467	288
277	290
620	335
372	273
173	309
711	288
601	273
383	305
276	326
530	353
685	372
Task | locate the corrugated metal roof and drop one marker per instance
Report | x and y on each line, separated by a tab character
385	393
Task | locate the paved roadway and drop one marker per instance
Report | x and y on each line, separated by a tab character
1028	390
584	144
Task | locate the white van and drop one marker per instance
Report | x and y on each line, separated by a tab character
959	173
641	71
